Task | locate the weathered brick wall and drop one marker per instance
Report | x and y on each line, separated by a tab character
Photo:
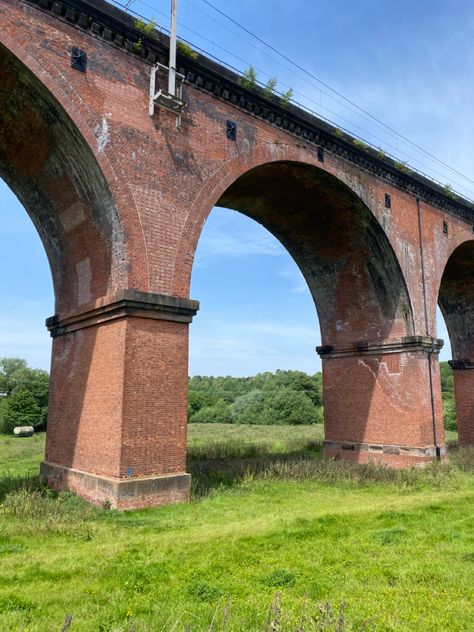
127	195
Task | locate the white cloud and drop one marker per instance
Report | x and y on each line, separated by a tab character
222	346
223	245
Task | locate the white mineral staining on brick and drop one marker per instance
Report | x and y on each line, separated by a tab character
83	271
72	217
102	135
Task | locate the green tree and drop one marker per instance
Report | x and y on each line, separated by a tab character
21	409
447	378
447	393
16	376
287	406
297	381
218	413
12	371
248	408
449	410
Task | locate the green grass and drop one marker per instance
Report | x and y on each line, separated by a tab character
279	437
21	455
265	549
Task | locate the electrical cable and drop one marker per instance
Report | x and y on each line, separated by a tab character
393	133
320	81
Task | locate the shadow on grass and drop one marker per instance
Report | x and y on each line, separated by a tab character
220	466
225	465
16	482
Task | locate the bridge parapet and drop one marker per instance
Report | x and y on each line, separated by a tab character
117	28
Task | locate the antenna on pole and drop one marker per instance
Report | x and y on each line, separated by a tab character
172	99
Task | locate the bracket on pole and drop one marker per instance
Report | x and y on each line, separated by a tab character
171	100
167	100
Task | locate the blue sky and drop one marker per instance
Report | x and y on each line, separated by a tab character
408	64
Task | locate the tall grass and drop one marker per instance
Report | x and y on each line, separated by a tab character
317	533
216	466
16	482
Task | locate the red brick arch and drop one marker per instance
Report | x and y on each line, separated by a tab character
133	270
225	188
456	301
371	239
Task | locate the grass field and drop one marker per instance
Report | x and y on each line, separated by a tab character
273	539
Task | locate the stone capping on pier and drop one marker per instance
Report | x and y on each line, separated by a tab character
424	344
461	365
421	452
126	303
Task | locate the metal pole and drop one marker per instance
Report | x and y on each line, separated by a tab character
172	64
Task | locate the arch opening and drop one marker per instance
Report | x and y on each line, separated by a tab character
49	162
26	297
361	299
256	313
456	302
349	266
50	167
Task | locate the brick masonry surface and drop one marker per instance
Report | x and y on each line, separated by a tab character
119	198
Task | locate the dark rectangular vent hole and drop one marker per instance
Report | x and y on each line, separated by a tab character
388	200
78	59
445	228
320	154
231	130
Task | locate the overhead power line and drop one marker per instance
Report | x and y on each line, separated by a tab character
350	105
326	85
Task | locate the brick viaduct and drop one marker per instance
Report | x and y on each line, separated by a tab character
119	199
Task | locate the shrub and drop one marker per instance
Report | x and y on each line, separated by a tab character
20	409
249	78
402	166
269	89
287	406
360	144
248	408
147	28
449	411
198	400
185	49
218	413
448	190
286	97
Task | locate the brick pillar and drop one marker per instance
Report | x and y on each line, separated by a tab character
464	393
378	402
118	403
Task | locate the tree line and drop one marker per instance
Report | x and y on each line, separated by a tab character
23	395
447	392
282	397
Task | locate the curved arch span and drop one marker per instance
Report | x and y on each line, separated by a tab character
456	301
350	267
50	158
